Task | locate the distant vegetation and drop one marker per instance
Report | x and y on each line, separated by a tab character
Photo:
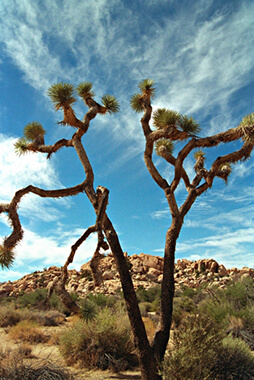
212	338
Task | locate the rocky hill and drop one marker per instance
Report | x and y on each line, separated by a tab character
146	271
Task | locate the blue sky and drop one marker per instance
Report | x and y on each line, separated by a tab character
199	53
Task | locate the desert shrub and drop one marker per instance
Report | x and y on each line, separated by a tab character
233	309
216	307
144	307
104	342
102	300
9	316
149	295
240	294
234	361
182	305
74	296
194	347
46	318
34	299
27	331
39	300
86	273
201	351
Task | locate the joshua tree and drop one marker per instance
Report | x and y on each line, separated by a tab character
171	127
63	96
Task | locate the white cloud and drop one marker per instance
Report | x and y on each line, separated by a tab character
230	249
19	172
36	252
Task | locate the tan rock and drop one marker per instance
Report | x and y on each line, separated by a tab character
153	274
6	288
108	275
222	270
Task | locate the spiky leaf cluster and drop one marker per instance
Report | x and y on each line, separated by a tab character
188	125
147	87
84	90
147	91
247	125
111	103
61	95
136	103
33	131
199	154
248	121
163	118
6	258
168	144
21	146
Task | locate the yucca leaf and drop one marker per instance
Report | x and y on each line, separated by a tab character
61	94
188	125
84	90
168	144
6	258
246	124
163	117
136	103
248	121
147	87
33	131
111	103
199	154
21	146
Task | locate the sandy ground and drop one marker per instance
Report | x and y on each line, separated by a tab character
49	352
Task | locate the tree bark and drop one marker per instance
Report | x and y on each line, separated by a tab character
167	290
148	364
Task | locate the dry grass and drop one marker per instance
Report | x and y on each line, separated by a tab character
27	331
150	328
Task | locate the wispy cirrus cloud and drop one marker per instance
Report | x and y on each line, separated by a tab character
197	64
230	249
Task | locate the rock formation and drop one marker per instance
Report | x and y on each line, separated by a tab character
146	271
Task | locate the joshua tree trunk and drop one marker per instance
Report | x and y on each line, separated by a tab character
148	363
167	291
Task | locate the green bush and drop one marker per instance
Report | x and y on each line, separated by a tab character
234	361
201	351
233	309
34	299
102	300
194	347
104	342
149	295
181	306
